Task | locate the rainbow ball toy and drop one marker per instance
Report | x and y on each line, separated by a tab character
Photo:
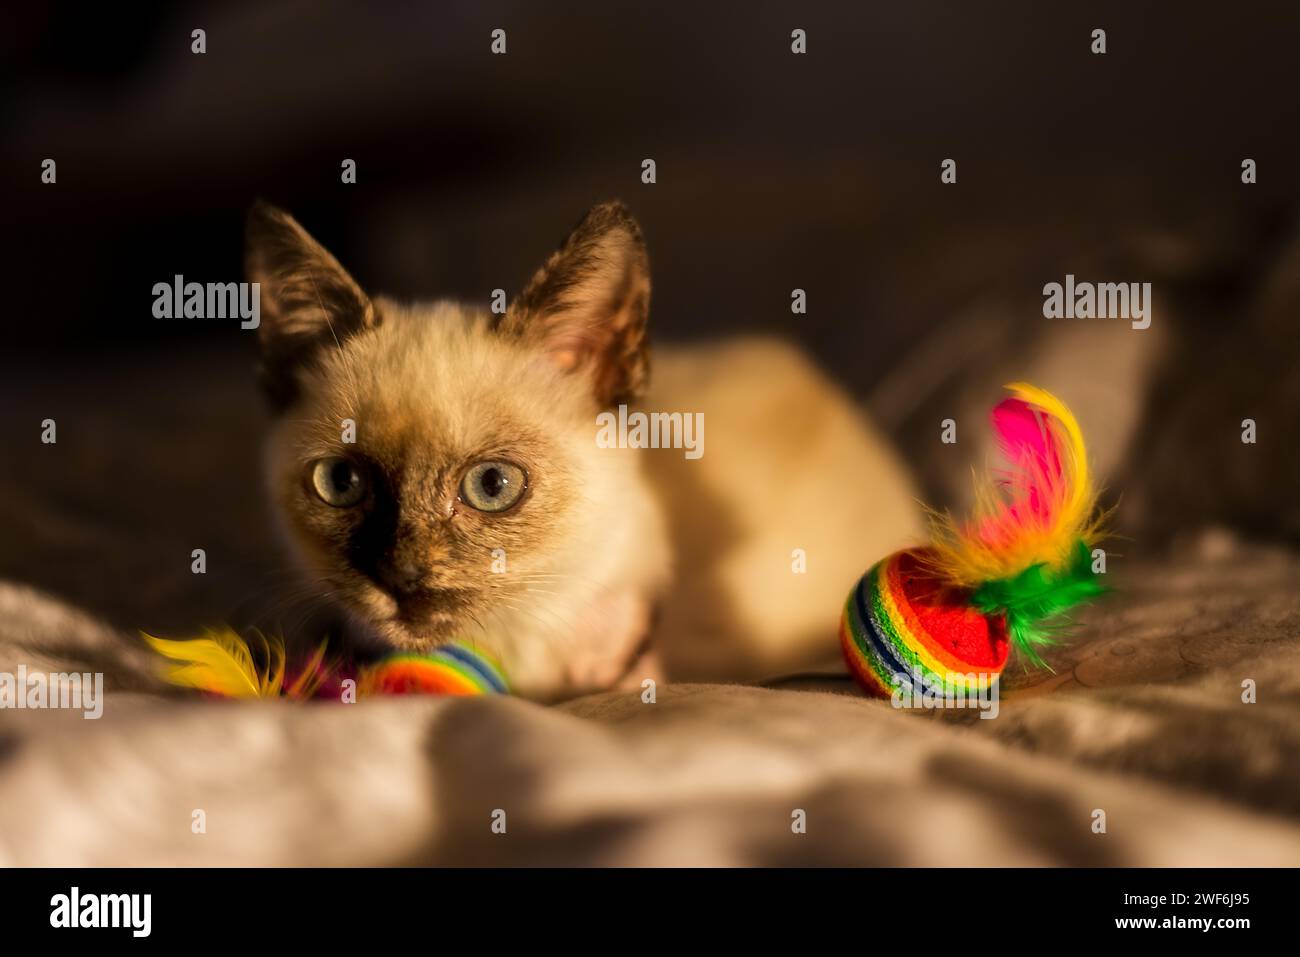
452	669
900	619
950	614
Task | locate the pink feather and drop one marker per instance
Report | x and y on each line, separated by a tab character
1035	477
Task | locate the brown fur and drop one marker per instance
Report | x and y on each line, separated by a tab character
589	304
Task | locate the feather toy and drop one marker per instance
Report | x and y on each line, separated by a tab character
998	582
222	663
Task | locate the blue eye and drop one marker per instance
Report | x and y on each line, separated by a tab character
493	486
338	482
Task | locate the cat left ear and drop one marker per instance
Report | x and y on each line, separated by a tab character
587	306
308	301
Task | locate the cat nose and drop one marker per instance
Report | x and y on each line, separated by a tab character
403	578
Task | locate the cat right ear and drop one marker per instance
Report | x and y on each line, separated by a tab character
307	300
587	306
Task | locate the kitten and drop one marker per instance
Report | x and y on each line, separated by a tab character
475	502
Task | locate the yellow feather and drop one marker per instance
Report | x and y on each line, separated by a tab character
221	662
311	677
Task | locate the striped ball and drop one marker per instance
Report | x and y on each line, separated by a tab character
453	669
900	619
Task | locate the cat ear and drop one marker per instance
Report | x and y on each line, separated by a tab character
308	301
588	304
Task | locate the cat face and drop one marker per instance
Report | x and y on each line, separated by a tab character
435	467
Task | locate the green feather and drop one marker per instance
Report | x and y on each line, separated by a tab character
1031	599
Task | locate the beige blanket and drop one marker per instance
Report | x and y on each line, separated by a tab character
1143	727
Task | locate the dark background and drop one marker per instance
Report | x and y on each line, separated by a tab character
775	171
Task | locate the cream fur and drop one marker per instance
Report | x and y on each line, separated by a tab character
790	464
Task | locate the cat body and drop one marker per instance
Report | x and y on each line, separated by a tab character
437	473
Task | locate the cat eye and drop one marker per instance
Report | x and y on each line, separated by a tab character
493	486
338	482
